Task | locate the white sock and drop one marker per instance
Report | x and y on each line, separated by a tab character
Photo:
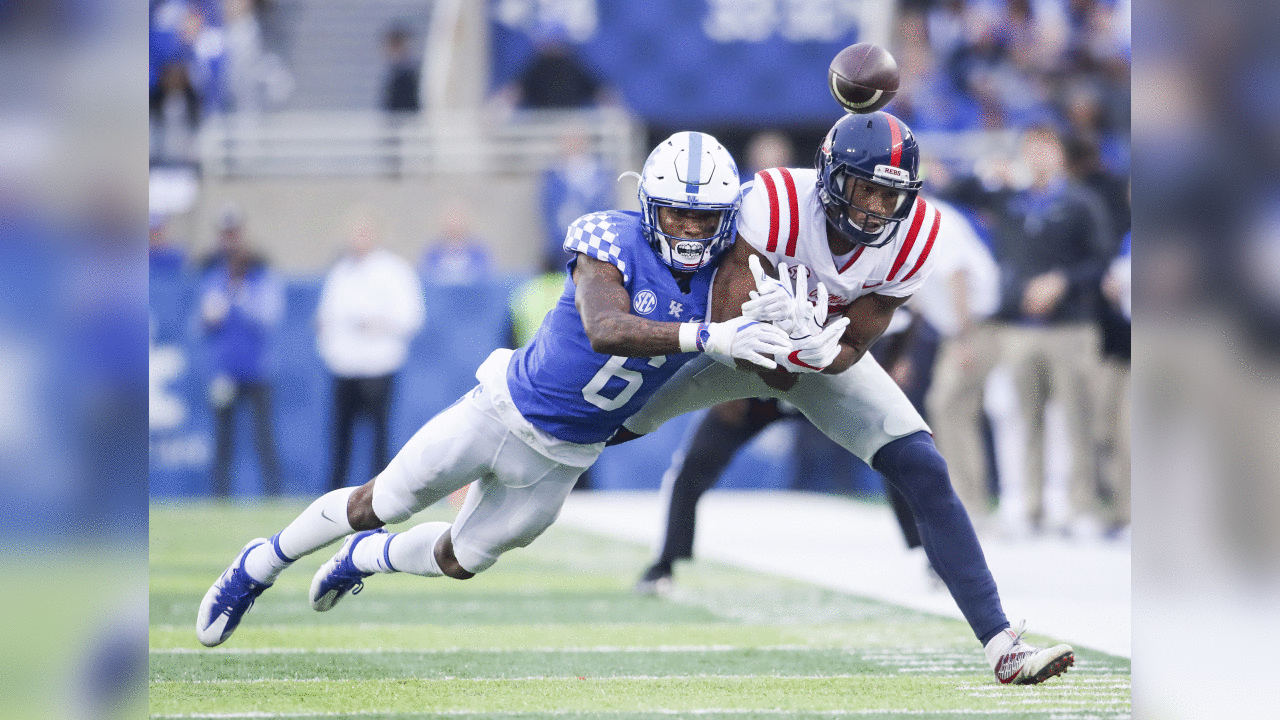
414	550
324	521
370	554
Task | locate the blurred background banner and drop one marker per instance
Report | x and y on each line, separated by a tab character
694	64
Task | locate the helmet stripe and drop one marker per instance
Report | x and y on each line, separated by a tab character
911	238
774	211
933	234
895	139
692	178
793	204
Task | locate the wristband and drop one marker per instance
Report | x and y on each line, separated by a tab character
689	337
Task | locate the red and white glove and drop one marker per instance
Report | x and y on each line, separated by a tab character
814	353
738	339
814	347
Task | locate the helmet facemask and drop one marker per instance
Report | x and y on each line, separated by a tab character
867	177
689	170
864	211
688	254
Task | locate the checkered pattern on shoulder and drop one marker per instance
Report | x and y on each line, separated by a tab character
594	235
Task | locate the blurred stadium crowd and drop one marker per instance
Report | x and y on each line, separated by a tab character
978	80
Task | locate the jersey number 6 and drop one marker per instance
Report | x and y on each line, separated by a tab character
613	368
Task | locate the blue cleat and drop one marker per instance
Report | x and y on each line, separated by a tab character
339	575
228	600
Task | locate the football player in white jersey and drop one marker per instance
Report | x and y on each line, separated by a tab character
856	225
634	310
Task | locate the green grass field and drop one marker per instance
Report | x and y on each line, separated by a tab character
553	631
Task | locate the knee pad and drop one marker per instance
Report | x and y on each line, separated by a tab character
390	507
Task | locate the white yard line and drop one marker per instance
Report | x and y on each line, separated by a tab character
432	651
874	712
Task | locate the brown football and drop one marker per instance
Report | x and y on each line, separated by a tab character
863	78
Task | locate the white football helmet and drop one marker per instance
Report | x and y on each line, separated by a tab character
690	170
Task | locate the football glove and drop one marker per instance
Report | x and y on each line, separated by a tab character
772	301
815	352
809	317
743	339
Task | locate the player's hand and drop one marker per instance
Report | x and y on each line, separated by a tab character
772	300
809	317
815	352
745	339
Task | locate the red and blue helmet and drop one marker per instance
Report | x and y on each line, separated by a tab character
877	148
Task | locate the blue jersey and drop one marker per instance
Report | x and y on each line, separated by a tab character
574	393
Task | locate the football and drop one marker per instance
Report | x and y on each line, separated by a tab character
863	78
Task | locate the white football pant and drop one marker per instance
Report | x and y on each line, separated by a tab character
517	493
862	408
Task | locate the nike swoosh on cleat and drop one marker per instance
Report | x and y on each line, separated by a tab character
866	286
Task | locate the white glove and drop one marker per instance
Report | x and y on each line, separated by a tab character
809	317
814	352
772	301
743	339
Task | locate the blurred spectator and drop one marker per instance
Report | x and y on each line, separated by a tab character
458	256
244	56
1052	252
371	306
1115	396
1084	160
928	98
190	32
1114	328
241	304
175	116
400	84
162	254
767	149
579	183
958	299
531	301
998	62
1099	133
555	78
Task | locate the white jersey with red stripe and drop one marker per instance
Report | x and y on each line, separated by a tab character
782	218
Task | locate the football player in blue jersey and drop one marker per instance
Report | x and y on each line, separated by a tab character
634	310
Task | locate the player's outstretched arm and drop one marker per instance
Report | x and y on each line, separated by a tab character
605	307
869	316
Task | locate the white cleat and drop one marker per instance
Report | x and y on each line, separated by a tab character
1024	664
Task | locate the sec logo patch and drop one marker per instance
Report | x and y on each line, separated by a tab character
644	302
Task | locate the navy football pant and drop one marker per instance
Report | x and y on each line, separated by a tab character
912	465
